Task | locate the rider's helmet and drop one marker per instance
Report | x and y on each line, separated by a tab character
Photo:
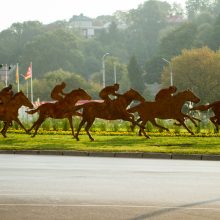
63	84
172	89
116	86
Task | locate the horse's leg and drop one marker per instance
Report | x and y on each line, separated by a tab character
21	125
32	127
192	119
153	121
88	126
38	124
5	128
79	128
142	125
181	121
214	121
133	125
71	125
142	130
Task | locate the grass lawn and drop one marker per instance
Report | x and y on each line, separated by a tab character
113	142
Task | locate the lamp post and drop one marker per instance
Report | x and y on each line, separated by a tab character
5	68
103	69
171	70
115	73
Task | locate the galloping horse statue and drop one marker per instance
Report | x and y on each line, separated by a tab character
59	110
9	111
166	109
215	106
113	110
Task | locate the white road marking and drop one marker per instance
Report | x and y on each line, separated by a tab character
107	205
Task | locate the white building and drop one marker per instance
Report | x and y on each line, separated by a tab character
84	24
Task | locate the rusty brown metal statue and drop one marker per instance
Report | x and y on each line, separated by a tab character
60	109
110	110
168	108
165	93
9	110
57	92
6	94
215	106
109	90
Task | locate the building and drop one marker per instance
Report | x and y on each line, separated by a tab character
83	24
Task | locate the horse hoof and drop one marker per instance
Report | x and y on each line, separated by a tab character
3	134
76	137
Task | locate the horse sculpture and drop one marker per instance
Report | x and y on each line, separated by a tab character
114	110
166	109
215	106
59	110
9	111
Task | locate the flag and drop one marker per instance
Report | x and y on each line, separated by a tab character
28	73
17	75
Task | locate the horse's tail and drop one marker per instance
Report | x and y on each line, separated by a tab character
203	107
32	111
133	109
78	107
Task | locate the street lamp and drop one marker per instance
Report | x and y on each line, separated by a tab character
171	70
103	69
5	68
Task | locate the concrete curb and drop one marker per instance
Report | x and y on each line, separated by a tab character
116	154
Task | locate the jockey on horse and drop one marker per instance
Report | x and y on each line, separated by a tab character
6	94
57	92
165	93
109	90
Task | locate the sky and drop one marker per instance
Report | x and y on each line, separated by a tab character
48	11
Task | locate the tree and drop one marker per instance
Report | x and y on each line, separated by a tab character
53	50
135	75
195	7
178	39
144	26
198	70
153	69
214	35
43	87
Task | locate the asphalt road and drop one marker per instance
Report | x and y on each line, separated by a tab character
93	188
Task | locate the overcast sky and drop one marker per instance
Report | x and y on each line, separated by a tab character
47	11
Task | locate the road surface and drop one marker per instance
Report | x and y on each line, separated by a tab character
94	188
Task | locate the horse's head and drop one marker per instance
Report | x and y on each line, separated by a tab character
23	100
190	96
83	94
135	95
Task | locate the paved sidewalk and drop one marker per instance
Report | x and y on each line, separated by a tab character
116	154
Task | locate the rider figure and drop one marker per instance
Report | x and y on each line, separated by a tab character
109	90
165	93
6	94
57	92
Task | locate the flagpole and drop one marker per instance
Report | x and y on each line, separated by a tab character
6	74
31	85
17	77
27	89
